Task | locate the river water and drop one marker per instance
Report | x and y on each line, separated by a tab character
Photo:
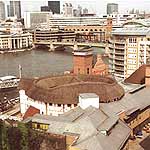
37	63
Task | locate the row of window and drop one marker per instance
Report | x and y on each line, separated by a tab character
39	126
132	50
132	40
84	30
60	105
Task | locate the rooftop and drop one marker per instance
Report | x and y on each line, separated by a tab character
65	89
140	22
89	125
136	100
132	31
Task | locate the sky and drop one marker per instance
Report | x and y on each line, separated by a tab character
94	6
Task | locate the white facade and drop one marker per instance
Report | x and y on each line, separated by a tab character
15	41
129	48
45	108
88	99
61	21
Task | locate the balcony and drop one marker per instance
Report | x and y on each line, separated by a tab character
119	41
119	52
119	74
111	46
111	56
111	62
111	51
119	58
111	67
119	63
120	47
119	68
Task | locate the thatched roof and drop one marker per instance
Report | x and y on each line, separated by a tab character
66	89
137	77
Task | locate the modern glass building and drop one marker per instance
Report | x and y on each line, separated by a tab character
2	10
112	8
54	6
15	8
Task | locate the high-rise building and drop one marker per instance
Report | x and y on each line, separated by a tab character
112	8
15	9
79	11
2	10
85	11
67	10
45	8
8	10
54	6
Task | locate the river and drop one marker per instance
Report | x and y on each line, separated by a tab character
37	63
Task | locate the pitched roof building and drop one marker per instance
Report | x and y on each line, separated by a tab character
85	129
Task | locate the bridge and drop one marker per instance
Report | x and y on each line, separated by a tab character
9	84
74	45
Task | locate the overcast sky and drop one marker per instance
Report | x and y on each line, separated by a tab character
96	6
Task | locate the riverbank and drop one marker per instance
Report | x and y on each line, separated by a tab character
15	51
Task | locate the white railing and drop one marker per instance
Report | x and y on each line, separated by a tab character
9	84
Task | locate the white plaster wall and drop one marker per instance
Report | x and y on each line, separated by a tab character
86	102
23	101
54	109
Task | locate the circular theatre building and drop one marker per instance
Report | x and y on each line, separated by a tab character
58	94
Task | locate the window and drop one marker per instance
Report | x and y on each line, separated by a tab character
38	126
78	70
88	70
59	105
69	105
50	104
132	40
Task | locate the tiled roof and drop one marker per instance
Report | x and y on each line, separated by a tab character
31	111
87	124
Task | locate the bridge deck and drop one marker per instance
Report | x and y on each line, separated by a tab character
102	45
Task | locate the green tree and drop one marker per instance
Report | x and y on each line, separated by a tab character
24	136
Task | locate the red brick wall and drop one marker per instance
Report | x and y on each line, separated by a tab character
82	63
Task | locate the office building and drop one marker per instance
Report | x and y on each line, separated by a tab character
2	10
112	8
15	9
54	6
